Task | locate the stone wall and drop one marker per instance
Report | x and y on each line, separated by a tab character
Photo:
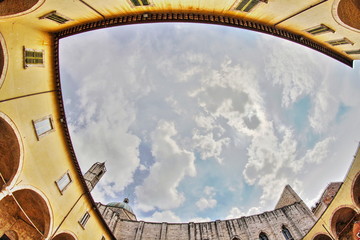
296	218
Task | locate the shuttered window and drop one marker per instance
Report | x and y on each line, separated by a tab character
33	57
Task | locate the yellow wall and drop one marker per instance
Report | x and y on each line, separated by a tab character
342	199
29	94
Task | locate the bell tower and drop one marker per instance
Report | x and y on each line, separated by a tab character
94	174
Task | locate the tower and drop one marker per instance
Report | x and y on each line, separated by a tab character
94	174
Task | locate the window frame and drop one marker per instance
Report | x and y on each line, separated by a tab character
55	13
319	29
51	121
133	4
338	42
26	65
237	4
84	219
286	233
67	173
357	51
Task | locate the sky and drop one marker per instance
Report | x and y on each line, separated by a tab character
201	122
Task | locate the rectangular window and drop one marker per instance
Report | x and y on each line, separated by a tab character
340	42
84	219
353	51
33	58
248	5
63	182
56	17
140	2
322	28
43	126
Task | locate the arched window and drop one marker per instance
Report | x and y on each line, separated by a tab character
263	236
286	233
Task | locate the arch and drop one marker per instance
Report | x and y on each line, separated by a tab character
342	221
26	213
347	14
322	236
286	233
3	59
13	8
356	190
11	152
263	236
65	236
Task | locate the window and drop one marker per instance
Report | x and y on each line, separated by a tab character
340	42
84	219
322	28
56	17
63	182
43	126
248	5
286	233
353	51
33	58
263	236
140	2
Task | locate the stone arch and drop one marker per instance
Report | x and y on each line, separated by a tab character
27	213
11	152
12	8
3	59
65	236
263	236
286	232
342	221
356	190
322	236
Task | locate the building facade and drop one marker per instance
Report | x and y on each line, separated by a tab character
290	221
43	194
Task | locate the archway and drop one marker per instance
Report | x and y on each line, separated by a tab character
322	237
342	222
9	153
64	236
3	59
25	213
349	12
13	7
356	190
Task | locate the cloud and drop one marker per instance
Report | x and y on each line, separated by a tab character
199	219
163	216
159	189
234	213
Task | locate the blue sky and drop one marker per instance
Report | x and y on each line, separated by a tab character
200	122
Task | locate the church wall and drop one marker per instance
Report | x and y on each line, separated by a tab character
294	217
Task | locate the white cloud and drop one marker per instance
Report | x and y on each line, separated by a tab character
208	202
199	219
163	216
204	203
159	189
234	213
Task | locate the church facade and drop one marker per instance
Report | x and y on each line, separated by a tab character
43	193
